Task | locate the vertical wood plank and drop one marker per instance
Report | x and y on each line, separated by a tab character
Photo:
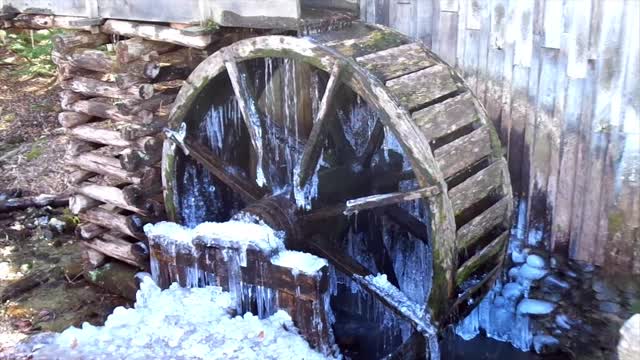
495	64
578	39
522	30
447	36
562	212
553	23
424	18
462	11
471	55
483	51
622	170
606	116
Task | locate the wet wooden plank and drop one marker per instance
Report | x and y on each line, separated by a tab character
397	61
463	152
578	39
483	223
361	40
423	86
493	249
478	186
446	117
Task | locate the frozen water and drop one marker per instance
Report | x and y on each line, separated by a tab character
540	341
500	314
535	307
299	262
563	321
180	323
535	261
512	290
528	272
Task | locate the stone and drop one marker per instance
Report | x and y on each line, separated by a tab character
536	261
553	282
629	344
531	273
57	225
563	321
604	291
609	307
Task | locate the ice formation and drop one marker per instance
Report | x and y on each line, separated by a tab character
181	323
504	313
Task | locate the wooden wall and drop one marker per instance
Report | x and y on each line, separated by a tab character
561	81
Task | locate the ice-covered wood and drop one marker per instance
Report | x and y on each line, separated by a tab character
494	249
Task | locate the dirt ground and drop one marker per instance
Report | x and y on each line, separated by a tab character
32	150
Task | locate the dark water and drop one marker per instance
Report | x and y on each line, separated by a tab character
483	348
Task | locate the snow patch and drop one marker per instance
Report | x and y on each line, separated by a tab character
299	261
181	323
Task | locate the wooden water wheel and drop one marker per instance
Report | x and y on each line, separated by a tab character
364	148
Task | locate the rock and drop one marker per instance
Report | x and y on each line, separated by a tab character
519	256
57	225
629	345
531	273
609	307
535	307
604	291
536	261
563	321
545	344
553	282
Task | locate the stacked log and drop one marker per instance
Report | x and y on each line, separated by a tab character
116	100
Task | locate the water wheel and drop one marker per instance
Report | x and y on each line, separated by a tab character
364	148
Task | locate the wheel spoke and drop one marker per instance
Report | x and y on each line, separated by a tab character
227	173
405	220
316	139
375	201
248	108
375	141
370	202
375	245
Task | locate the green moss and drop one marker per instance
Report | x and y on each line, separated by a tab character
616	221
34	153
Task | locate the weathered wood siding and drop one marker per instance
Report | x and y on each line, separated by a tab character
561	82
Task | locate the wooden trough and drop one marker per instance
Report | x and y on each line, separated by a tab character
428	170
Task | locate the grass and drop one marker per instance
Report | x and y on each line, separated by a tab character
35	48
35	152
